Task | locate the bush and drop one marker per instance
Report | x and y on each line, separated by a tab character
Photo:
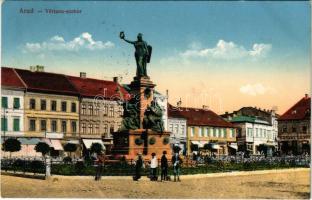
11	145
67	160
43	148
37	166
79	168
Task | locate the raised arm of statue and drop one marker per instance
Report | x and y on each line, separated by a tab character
131	42
122	36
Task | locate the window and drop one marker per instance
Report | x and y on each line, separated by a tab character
16	103
214	132
224	133
182	129
211	132
90	109
217	132
192	131
200	134
74	126
206	132
84	128
64	106
294	129
233	133
84	109
54	126
257	132
249	132
96	110
105	128
97	128
16	124
4	124
105	109
32	104
43	104
111	111
284	129
176	129
90	126
111	129
73	107
53	105
64	128
265	133
43	125
120	111
171	128
4	102
32	125
304	129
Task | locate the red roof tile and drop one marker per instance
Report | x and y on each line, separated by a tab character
300	110
199	117
89	87
9	78
46	82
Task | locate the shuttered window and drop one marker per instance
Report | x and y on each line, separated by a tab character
4	102
4	124
16	103
16	124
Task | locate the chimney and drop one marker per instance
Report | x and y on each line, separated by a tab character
167	94
37	68
179	103
116	80
205	107
306	96
83	75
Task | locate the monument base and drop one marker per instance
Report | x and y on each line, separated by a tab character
130	143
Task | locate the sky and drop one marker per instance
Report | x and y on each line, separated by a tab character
224	55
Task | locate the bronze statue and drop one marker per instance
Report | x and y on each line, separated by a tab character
142	53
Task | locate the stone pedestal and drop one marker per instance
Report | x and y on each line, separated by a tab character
142	89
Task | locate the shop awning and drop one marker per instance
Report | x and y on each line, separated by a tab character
216	146
56	144
195	143
29	141
88	142
73	141
233	146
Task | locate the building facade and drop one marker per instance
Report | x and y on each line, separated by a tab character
256	128
206	127
101	109
178	127
294	130
12	104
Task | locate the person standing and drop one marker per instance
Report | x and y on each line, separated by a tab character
164	166
138	167
99	165
176	162
154	165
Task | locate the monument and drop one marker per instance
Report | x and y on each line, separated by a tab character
142	129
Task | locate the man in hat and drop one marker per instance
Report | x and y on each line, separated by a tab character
164	166
154	165
138	167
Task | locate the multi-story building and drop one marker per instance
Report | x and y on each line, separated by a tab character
51	108
162	101
206	127
101	109
177	126
12	104
294	130
256	127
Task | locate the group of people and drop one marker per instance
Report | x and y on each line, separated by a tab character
176	163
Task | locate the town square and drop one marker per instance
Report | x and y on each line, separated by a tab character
155	100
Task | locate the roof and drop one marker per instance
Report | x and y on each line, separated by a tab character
46	82
200	117
242	118
88	87
300	110
173	112
9	78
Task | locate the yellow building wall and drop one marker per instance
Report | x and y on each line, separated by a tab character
208	138
50	115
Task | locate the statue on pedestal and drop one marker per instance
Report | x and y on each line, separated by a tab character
142	54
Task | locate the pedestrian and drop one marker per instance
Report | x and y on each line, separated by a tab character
99	165
153	165
176	162
164	166
138	167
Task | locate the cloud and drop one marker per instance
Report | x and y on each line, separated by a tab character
255	89
57	43
227	51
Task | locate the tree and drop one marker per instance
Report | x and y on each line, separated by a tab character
96	148
70	147
11	145
43	148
